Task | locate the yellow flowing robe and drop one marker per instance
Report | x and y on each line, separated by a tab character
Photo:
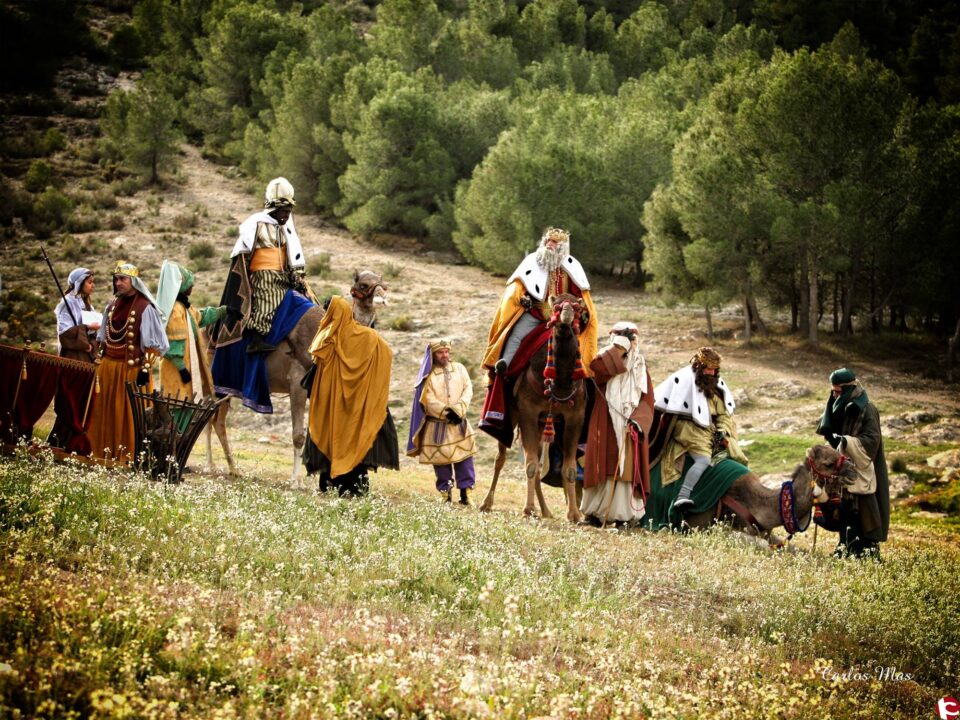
348	402
510	311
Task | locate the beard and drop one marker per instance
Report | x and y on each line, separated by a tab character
550	260
708	384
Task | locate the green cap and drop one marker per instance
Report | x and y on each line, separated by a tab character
842	376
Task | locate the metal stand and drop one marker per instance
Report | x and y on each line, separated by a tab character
166	429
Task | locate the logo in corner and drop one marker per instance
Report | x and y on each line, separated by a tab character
948	708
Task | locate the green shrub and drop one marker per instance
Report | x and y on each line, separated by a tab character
103	199
392	270
186	221
71	249
202	250
403	323
127	187
116	222
233	231
319	265
83	220
53	141
96	245
25	313
50	211
38	177
14	202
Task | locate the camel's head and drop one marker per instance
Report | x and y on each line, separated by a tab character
368	289
832	471
567	310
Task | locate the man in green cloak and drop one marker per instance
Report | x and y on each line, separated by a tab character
851	424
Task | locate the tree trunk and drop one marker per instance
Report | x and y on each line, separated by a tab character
804	295
709	317
154	175
836	302
952	348
814	301
746	320
755	315
846	322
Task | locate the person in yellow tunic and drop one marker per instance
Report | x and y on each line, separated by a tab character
704	427
440	433
550	270
131	336
185	368
349	420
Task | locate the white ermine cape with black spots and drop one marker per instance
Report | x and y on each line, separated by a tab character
534	277
679	394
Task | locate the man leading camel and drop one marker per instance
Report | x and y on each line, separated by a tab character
274	260
851	424
550	270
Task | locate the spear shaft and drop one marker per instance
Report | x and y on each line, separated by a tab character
53	272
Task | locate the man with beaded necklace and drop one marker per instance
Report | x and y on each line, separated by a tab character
131	337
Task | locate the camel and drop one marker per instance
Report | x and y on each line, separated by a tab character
755	509
290	361
533	401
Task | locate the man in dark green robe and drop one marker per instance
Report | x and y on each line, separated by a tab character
851	424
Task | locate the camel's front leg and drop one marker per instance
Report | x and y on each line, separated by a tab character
530	433
497	467
569	472
298	401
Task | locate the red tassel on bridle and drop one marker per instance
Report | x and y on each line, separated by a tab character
548	431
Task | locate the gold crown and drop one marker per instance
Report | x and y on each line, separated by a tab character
439	345
558	234
708	358
125	268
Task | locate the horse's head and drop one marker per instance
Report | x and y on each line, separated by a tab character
832	471
368	289
566	309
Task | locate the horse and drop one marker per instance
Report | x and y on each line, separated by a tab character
756	509
535	400
290	361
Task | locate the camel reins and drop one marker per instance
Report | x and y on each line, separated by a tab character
841	461
361	295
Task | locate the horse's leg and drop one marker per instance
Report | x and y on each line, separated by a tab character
298	401
571	433
220	426
497	467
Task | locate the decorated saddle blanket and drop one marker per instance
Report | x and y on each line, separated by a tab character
713	485
495	418
237	374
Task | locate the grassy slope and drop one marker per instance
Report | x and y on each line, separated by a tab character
243	600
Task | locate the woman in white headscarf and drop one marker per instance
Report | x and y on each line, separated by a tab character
616	471
77	325
78	332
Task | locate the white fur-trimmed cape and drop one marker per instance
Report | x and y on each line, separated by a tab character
248	233
534	277
679	394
